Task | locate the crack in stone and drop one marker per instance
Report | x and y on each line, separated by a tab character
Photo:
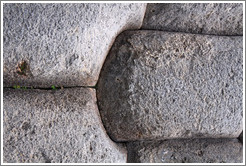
56	88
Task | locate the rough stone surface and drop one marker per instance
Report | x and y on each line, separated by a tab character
187	151
62	44
158	85
55	126
205	18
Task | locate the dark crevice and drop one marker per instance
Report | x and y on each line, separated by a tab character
51	88
103	121
240	137
192	33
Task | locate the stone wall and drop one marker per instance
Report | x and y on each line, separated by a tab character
123	83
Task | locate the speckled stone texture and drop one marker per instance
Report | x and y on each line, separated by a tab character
159	85
55	126
186	151
205	18
62	44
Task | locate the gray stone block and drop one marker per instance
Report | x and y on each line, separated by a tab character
160	85
205	18
62	44
61	126
186	151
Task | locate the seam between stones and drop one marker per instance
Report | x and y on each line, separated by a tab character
123	143
186	32
57	88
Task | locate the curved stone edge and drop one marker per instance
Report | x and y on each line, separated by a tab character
61	126
186	151
127	46
67	49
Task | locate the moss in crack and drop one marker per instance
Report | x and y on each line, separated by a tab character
53	87
19	87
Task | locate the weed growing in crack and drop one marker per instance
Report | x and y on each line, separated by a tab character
53	87
19	87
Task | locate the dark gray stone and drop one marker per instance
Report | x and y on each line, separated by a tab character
158	85
186	151
205	18
61	126
62	44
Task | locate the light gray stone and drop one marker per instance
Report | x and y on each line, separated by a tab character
61	126
158	85
205	18
186	151
62	44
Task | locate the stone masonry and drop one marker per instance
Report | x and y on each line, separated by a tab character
122	83
56	126
186	151
62	44
172	85
200	18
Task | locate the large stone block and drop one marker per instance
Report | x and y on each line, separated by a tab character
205	18
158	85
60	126
62	44
186	151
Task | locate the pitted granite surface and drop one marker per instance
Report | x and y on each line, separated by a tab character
170	88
